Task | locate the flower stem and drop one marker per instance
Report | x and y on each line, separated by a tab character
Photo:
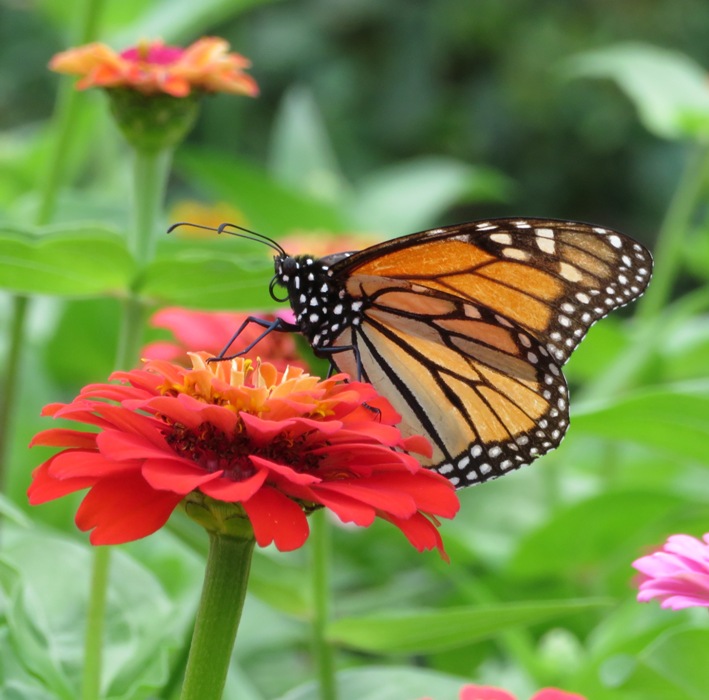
63	121
223	594
150	178
8	395
150	172
93	641
673	233
320	543
630	364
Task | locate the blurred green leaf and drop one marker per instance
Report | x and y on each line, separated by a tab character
669	90
390	683
603	344
426	631
406	197
268	207
681	657
595	522
203	279
673	419
301	155
280	586
79	260
92	325
39	574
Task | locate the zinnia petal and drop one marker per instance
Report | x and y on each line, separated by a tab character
677	575
124	508
275	518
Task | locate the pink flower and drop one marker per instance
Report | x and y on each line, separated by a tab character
677	574
486	692
211	330
244	449
480	692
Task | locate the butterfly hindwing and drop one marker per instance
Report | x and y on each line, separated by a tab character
487	395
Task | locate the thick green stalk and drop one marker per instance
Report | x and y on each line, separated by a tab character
95	618
322	650
8	394
150	173
223	593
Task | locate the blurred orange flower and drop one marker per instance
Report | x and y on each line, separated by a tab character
154	67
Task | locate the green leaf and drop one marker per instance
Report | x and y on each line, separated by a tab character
682	658
46	579
280	586
301	154
390	683
268	207
409	196
673	419
80	260
669	90
641	516
426	631
205	279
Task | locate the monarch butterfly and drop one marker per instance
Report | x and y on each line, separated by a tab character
464	328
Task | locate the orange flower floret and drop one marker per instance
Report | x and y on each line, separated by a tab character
273	445
153	67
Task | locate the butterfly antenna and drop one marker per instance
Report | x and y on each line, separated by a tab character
240	232
252	236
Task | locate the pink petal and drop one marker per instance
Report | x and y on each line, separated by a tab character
481	692
555	694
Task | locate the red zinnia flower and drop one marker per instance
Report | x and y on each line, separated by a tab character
153	67
272	446
212	330
678	574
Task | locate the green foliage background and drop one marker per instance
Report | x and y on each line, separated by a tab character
381	119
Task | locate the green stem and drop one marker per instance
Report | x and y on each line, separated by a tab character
150	173
223	594
8	395
322	650
631	363
149	186
673	233
63	121
64	118
93	641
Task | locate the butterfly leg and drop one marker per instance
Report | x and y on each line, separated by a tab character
278	325
327	353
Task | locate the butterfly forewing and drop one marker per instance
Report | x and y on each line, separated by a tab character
553	278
